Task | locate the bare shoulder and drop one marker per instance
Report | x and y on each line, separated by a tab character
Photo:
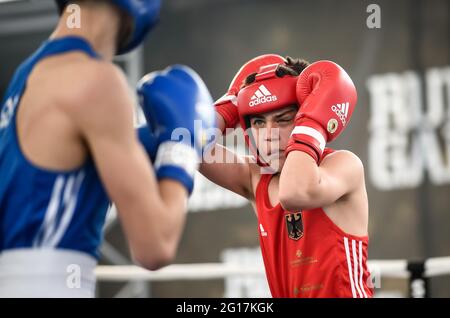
249	177
344	165
96	81
96	89
344	157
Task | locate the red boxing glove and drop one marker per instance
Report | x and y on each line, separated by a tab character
226	105
327	98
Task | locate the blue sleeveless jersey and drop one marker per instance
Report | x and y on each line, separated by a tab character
41	208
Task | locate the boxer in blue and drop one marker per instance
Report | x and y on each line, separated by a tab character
68	149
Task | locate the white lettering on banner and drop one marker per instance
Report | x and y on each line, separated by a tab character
406	137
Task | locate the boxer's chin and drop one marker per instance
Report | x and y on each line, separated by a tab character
275	162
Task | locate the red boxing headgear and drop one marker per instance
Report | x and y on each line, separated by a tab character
267	93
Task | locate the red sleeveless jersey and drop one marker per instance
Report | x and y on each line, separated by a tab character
306	255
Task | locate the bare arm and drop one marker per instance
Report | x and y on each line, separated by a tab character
304	185
228	169
152	214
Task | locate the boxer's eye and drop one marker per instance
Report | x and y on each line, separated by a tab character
285	120
258	122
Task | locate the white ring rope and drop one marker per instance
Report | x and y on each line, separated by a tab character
201	271
206	271
437	266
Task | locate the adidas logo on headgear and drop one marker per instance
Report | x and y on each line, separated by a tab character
261	96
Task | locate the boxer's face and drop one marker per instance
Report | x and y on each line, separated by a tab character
271	132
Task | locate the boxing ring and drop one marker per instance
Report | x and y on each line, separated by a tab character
416	272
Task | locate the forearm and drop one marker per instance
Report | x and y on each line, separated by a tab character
300	181
226	169
171	205
174	204
304	185
152	213
155	229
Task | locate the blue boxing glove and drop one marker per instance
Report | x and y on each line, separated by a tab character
148	141
179	111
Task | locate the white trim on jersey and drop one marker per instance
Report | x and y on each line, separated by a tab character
70	203
355	267
361	272
50	233
349	265
50	227
356	281
50	213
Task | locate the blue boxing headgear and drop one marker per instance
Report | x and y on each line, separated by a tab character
145	14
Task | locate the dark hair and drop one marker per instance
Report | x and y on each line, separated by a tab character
292	67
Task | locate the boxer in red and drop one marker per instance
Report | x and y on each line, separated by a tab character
312	208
